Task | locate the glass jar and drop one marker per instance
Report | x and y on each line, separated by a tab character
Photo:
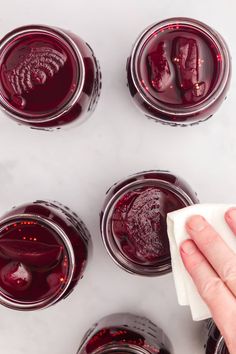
44	248
125	334
179	71
49	77
133	220
215	343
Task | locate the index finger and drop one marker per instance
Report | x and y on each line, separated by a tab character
230	217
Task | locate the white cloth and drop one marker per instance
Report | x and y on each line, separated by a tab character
187	293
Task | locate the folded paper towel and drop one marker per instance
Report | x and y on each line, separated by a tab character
186	290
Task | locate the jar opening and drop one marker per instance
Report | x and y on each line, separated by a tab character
36	262
180	66
140	208
42	73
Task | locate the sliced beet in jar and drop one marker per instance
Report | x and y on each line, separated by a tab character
133	220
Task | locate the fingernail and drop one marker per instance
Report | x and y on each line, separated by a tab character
188	247
196	223
231	214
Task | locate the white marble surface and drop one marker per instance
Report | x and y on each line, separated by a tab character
77	166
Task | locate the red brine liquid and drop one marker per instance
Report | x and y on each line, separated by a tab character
179	71
133	220
48	77
44	249
125	334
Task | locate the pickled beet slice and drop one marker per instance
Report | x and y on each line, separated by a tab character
186	60
119	215
32	253
158	68
144	224
138	223
16	275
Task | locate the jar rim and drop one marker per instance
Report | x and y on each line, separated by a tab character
70	43
209	99
32	305
109	242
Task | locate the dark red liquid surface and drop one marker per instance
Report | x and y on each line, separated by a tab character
33	261
139	224
179	66
38	73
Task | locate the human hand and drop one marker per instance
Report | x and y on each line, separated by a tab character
212	266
